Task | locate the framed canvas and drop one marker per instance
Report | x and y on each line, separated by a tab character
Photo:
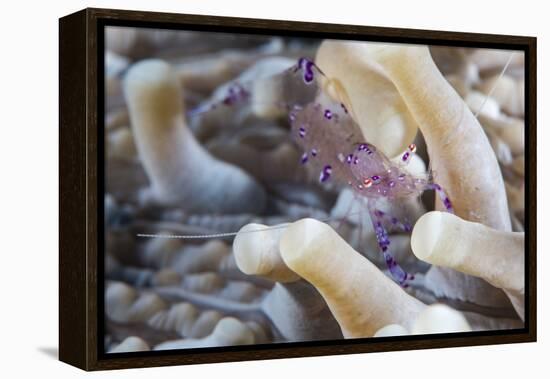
239	189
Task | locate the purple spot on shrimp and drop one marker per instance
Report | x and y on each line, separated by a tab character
292	116
325	174
349	158
401	177
395	270
447	203
235	93
375	179
405	156
328	114
436	187
306	65
304	158
391	184
313	152
364	147
302	133
356	160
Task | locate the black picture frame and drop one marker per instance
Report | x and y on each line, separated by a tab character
81	287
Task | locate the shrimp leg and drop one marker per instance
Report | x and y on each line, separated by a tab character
396	271
442	196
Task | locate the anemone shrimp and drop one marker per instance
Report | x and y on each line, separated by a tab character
331	140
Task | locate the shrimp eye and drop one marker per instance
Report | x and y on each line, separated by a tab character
367	182
412	148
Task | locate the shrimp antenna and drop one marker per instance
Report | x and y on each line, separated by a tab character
229	234
490	93
206	236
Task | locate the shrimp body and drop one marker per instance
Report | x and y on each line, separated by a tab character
330	139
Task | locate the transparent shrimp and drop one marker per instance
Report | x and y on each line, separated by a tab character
331	140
